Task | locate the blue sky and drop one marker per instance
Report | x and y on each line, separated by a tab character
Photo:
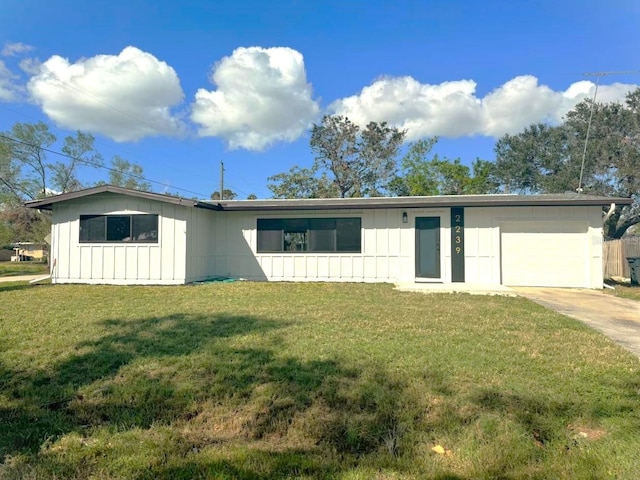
180	86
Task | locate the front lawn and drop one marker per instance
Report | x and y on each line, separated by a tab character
258	380
10	269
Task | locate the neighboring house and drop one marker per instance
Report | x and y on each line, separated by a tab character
31	250
113	235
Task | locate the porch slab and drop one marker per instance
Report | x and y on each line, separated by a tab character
471	288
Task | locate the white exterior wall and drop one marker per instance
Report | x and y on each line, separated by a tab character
388	245
118	263
388	248
201	246
482	241
196	244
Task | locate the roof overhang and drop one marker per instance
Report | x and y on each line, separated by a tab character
443	201
48	202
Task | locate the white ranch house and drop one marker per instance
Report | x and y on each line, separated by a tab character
112	235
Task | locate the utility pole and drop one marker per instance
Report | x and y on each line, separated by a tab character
598	76
221	180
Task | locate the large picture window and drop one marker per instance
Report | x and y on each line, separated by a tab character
119	228
323	235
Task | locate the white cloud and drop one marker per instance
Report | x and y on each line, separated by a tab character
30	66
125	97
9	90
262	97
12	49
452	109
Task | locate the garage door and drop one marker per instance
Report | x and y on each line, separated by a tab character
545	254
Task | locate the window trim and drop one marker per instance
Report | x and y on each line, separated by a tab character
152	241
307	238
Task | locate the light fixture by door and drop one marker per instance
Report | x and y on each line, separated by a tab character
405	217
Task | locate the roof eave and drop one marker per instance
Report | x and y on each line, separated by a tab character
47	203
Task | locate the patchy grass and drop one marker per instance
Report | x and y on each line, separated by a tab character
625	291
10	269
259	380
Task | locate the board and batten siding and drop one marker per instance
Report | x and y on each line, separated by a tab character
484	259
200	244
387	255
162	263
388	245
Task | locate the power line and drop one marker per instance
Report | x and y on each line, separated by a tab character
96	165
598	75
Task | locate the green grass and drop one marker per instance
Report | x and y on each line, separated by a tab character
624	291
10	269
257	380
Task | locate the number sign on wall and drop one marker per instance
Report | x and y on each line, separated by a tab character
457	244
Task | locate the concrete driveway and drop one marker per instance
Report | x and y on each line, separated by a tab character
617	318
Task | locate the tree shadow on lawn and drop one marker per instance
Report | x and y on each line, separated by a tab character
52	402
164	371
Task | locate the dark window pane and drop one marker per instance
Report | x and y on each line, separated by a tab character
348	235
269	224
92	228
269	241
322	240
118	228
299	225
295	241
322	223
309	235
145	228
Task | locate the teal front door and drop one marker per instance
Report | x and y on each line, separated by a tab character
428	247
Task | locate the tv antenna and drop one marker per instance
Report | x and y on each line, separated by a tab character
598	76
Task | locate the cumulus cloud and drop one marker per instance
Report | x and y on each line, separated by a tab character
12	49
453	109
125	97
9	89
262	96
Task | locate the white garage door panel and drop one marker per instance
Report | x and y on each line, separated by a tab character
549	254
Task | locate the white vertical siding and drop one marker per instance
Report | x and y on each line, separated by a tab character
196	244
483	228
122	263
387	253
200	244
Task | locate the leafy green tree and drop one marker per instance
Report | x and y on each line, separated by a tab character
349	161
252	196
548	159
26	171
423	176
127	175
228	195
302	183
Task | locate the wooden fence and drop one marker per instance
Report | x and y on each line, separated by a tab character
615	253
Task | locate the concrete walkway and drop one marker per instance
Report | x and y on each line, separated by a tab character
22	278
617	318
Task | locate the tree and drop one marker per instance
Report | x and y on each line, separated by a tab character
26	172
302	183
127	175
252	196
349	161
22	224
420	175
228	195
548	159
